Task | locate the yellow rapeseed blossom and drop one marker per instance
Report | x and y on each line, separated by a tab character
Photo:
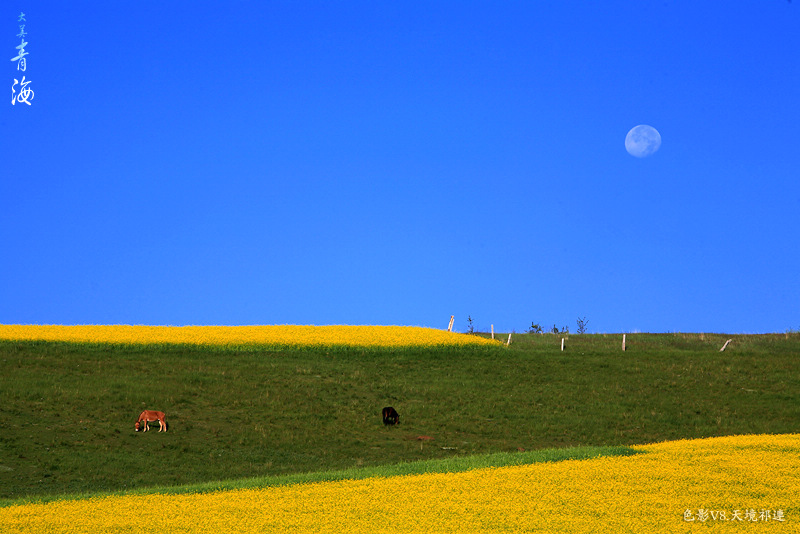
730	484
286	335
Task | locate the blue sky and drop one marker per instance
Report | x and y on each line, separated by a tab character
380	162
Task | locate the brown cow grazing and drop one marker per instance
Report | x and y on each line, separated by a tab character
390	416
149	416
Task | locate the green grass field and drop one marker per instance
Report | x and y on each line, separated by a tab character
66	423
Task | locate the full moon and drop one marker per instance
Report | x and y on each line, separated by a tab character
642	141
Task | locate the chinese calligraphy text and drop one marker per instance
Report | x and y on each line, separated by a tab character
25	93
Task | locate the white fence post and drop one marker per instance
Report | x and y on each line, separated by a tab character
725	345
450	326
492	331
623	342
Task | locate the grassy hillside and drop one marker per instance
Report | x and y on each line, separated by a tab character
68	409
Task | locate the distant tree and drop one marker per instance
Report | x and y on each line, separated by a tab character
535	328
470	328
582	325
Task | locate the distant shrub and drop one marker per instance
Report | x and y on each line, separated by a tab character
582	325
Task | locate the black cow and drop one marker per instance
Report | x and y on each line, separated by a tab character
390	416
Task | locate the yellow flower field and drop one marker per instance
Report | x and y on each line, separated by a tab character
289	335
730	484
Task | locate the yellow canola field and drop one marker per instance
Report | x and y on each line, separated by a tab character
730	484
287	335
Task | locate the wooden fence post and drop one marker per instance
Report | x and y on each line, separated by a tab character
450	326
725	345
492	331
